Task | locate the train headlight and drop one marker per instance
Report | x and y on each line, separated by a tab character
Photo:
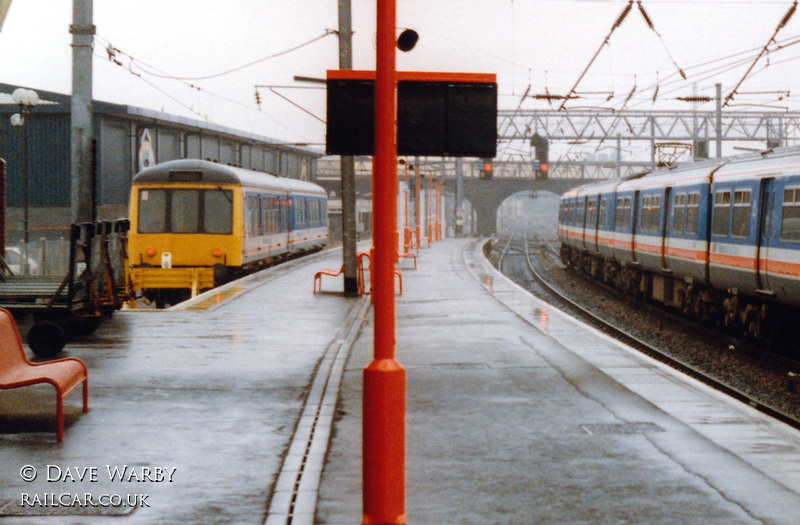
151	251
217	252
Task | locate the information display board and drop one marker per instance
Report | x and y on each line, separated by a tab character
438	114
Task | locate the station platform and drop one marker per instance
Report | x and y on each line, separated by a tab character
244	406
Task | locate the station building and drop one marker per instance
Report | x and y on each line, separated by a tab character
127	139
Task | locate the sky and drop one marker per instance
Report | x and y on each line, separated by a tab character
203	59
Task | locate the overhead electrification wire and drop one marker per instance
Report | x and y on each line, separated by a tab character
649	23
781	25
621	18
155	72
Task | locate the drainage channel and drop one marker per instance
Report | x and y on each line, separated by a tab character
294	497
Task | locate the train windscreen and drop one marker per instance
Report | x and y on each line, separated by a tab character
185	211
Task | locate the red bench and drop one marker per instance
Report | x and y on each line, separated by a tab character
17	371
326	271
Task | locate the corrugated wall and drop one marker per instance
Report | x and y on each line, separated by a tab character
48	160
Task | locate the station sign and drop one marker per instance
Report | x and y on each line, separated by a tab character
438	114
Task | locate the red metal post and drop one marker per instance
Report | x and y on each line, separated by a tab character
406	230
439	210
430	211
384	411
419	208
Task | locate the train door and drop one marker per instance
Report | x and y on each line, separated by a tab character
766	231
591	222
582	220
663	229
634	217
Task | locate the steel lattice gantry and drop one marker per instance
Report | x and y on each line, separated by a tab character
770	129
667	126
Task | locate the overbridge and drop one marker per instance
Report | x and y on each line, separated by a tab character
485	195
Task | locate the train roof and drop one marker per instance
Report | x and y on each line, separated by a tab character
769	164
212	172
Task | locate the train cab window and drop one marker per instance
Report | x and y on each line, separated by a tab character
790	215
217	212
184	206
740	222
679	213
185	211
152	204
692	212
722	213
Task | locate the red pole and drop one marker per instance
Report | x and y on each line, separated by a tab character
430	211
406	230
384	411
439	210
419	208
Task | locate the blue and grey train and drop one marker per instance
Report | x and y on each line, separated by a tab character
718	240
197	224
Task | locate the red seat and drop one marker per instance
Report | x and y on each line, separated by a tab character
326	271
17	371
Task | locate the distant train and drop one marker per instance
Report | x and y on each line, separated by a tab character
197	224
718	240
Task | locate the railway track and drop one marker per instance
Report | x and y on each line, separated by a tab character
518	260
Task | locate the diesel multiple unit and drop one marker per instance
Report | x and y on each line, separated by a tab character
197	224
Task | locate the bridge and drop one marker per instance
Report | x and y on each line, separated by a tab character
485	195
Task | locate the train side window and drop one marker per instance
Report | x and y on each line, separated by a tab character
740	222
184	211
790	215
722	213
679	213
620	214
152	211
218	212
581	212
263	216
692	212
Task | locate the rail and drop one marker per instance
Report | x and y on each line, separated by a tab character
651	350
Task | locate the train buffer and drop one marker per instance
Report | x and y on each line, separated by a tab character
76	303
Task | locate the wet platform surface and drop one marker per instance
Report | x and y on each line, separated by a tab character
247	403
212	391
517	414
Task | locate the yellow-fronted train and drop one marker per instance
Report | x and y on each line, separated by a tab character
197	224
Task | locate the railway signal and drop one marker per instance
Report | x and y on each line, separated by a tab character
487	168
541	147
